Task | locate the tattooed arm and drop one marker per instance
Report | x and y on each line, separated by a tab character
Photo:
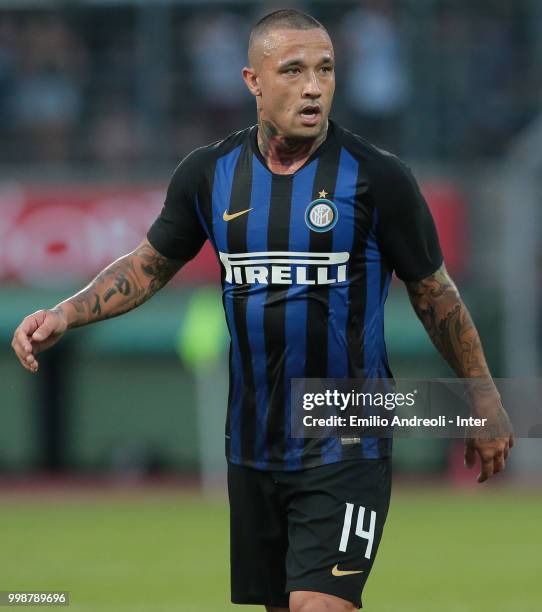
440	308
446	319
122	286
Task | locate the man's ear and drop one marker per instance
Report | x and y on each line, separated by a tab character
251	81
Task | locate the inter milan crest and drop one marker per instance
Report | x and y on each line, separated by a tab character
321	214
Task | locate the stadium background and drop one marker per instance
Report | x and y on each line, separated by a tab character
111	468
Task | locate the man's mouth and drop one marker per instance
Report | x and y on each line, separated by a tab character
310	114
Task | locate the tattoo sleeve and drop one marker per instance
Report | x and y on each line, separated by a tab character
440	308
442	312
122	286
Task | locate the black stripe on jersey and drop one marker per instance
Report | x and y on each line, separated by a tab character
357	293
384	444
278	238
318	309
205	202
237	243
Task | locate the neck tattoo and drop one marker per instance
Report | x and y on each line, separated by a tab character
285	155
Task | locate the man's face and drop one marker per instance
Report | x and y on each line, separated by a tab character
293	78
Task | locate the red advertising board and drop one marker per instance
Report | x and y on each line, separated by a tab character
57	235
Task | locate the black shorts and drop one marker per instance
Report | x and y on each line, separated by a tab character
316	529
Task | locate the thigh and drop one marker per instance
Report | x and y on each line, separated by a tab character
336	516
258	538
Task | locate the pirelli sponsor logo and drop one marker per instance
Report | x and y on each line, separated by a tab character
285	268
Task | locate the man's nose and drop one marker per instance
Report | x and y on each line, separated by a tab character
311	87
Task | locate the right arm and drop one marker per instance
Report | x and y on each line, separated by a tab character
126	283
123	285
130	280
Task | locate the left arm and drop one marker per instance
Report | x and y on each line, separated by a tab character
446	319
408	238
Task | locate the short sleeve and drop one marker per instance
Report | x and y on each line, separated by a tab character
406	229
177	232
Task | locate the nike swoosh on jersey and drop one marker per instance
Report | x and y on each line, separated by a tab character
337	572
227	217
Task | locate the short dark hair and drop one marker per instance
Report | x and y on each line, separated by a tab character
284	18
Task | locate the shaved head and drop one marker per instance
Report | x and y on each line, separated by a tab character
291	73
284	19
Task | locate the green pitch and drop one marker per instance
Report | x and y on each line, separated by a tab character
442	551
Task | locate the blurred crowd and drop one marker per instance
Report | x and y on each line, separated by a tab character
124	85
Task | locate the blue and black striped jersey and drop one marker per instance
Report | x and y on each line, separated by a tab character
306	264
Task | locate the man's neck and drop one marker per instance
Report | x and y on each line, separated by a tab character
285	155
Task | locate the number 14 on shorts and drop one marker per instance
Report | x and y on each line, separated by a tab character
360	532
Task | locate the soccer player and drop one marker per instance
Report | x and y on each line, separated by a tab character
308	221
